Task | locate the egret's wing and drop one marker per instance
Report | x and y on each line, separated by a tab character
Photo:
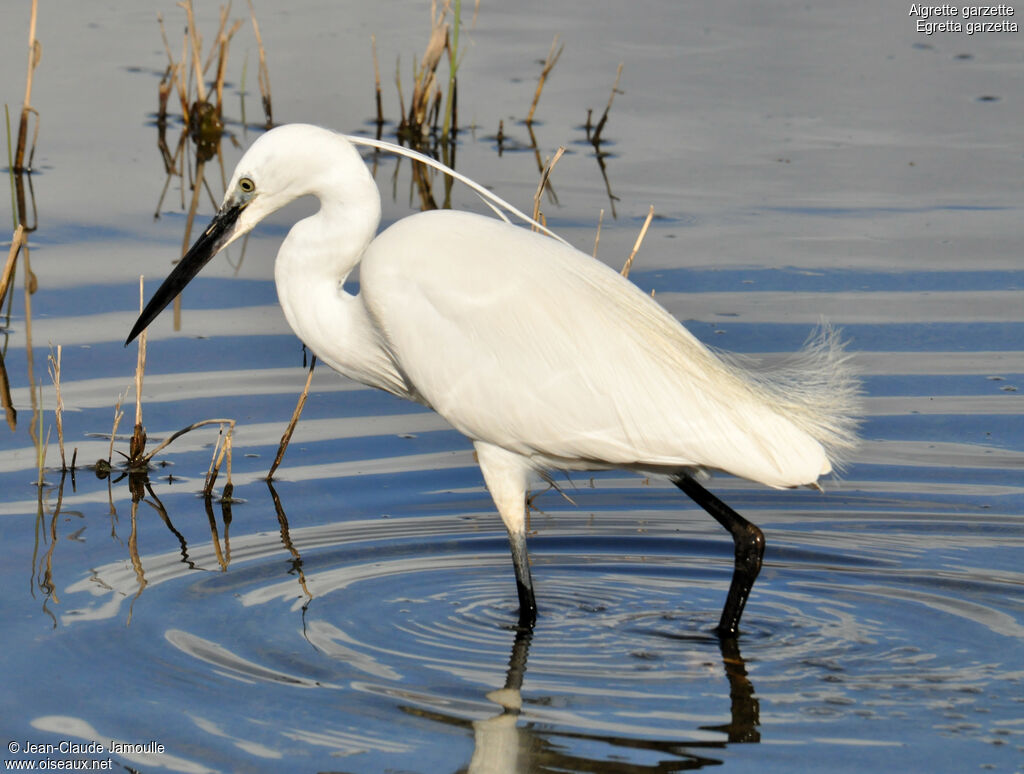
533	346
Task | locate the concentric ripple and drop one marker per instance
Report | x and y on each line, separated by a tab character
419	614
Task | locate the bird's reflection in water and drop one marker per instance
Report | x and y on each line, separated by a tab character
505	744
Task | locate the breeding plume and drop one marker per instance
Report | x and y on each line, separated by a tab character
542	356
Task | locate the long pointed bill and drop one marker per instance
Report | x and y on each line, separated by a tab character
220	231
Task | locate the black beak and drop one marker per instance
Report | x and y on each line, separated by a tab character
208	245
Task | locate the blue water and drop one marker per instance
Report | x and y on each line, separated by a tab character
359	614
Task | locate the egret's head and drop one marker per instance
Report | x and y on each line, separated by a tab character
285	163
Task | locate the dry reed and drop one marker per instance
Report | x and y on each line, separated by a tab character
118	415
549	64
35	50
542	185
451	103
376	87
595	138
146	459
264	72
10	412
18	167
425	89
19	241
597	236
639	240
220	453
201	109
424	119
137	445
287	437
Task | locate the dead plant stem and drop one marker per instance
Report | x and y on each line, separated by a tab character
596	139
195	43
287	437
544	183
18	240
549	64
264	72
376	85
34	53
138	443
118	414
453	66
174	436
639	241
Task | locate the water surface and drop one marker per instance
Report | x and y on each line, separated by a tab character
358	616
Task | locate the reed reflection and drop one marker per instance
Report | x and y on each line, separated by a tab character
202	115
510	741
142	492
10	413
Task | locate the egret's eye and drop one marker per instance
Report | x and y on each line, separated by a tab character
246	185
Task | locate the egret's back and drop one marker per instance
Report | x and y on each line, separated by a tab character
537	348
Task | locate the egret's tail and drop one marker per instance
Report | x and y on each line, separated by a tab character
816	388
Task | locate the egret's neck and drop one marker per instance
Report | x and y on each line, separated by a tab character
315	259
331	242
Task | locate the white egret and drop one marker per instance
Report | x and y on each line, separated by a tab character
545	358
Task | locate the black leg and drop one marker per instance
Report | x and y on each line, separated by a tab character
749	542
524	583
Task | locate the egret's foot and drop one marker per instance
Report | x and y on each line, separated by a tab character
749	543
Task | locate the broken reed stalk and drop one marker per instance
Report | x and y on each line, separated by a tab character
35	50
10	412
223	41
264	72
453	66
376	85
211	473
176	73
137	445
639	241
287	437
174	436
217	459
118	414
597	236
18	241
416	122
544	184
549	63
218	45
596	138
194	43
191	67
53	366
426	76
401	97
170	75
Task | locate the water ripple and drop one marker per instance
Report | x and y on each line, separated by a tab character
386	607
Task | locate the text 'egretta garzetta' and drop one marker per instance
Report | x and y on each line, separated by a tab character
543	356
